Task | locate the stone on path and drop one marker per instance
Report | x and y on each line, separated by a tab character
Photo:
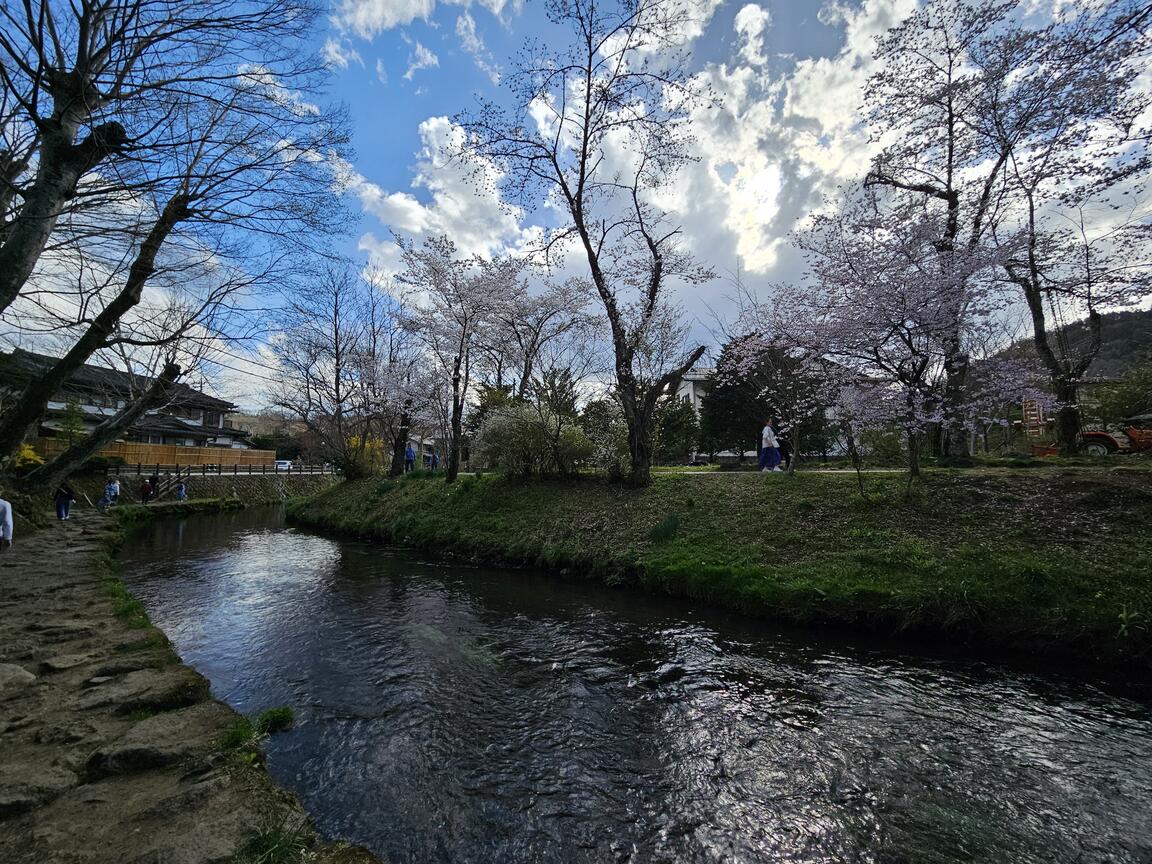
147	690
64	661
25	785
167	739
13	677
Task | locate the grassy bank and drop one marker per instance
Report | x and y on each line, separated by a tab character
133	515
1053	560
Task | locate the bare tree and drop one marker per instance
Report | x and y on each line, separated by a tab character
157	392
620	86
245	187
320	354
91	95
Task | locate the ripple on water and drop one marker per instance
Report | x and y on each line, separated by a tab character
471	715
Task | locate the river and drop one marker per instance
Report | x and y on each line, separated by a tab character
463	714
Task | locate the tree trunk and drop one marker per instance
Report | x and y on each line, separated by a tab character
1067	417
29	406
913	454
457	431
795	449
61	164
854	455
640	451
953	438
50	474
400	443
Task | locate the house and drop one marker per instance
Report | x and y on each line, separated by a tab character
693	387
190	419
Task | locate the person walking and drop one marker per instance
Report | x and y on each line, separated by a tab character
145	491
63	496
409	459
5	524
112	490
784	444
435	462
769	447
181	491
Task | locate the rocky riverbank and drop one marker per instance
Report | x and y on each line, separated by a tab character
113	750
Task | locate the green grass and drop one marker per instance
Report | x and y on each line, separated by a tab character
1036	558
134	515
244	733
276	844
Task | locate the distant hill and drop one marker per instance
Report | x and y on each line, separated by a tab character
1126	340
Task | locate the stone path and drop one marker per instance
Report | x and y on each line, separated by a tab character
109	746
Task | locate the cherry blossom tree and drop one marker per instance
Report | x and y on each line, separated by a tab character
1007	127
348	370
528	325
449	302
599	125
878	306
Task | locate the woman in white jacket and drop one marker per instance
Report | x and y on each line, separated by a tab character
769	448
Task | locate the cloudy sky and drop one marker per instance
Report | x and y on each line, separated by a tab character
788	73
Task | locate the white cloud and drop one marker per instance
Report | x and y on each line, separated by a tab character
471	42
751	22
462	201
339	54
381	72
421	58
368	18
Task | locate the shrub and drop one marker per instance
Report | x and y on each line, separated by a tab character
524	439
606	430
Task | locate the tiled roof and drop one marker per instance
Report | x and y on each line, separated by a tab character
21	365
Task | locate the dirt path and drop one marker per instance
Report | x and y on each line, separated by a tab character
109	746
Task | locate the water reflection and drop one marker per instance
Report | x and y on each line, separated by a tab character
472	715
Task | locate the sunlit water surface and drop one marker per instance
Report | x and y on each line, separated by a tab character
456	714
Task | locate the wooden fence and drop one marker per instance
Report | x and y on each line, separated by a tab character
166	454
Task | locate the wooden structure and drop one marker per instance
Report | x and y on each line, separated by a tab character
1034	421
133	453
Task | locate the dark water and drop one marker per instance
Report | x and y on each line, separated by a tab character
475	715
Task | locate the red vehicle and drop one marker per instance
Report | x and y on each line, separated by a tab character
1133	435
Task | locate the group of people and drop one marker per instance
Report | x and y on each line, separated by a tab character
410	459
150	489
775	449
64	497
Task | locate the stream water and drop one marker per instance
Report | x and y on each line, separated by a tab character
460	714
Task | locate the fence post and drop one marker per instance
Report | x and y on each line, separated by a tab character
139	469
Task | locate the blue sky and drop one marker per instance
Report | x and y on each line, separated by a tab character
404	66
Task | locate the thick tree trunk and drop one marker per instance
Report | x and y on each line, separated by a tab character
953	438
50	474
640	451
913	454
1067	417
29	406
61	164
399	444
457	431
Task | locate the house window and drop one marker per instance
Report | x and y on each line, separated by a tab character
212	418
